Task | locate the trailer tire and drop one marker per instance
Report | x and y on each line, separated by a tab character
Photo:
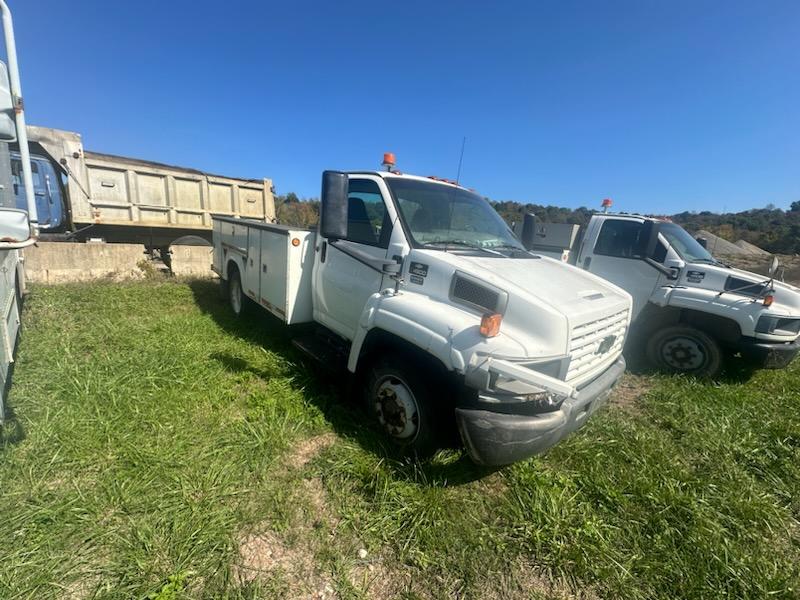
684	349
237	300
400	397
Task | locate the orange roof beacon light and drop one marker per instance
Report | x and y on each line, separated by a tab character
388	160
606	204
490	324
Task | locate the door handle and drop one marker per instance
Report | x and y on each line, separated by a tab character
587	262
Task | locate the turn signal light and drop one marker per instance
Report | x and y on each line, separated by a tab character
490	324
769	299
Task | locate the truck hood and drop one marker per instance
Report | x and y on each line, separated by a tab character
575	293
714	277
547	299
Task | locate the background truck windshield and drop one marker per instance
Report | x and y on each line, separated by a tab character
437	213
684	244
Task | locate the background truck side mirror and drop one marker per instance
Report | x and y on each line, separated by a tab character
675	265
702	241
8	128
15	230
333	206
648	239
528	230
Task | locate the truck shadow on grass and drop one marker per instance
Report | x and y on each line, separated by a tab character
326	391
11	430
735	370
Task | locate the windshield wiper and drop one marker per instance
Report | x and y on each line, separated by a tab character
710	261
447	243
509	247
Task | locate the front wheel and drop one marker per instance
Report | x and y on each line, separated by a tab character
400	397
683	349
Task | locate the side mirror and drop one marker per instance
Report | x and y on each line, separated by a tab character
773	266
528	230
675	265
8	127
15	230
702	241
333	205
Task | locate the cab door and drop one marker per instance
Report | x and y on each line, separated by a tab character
617	257
342	282
46	190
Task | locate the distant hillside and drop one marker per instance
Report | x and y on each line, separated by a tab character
775	230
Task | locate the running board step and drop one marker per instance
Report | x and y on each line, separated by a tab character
330	355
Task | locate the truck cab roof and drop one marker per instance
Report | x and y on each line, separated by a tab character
399	175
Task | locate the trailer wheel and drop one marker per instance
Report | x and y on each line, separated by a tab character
400	397
683	349
236	298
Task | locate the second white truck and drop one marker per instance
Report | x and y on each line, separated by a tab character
439	315
691	311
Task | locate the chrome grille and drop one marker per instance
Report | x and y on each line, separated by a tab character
594	345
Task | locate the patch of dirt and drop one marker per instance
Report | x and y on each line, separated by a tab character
524	579
263	555
628	391
308	449
375	580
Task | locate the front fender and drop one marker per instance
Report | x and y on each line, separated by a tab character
445	331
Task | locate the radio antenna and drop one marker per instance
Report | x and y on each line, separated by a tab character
461	158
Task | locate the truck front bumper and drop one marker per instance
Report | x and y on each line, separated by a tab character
493	438
769	355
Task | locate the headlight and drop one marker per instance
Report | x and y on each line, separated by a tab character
778	325
519	394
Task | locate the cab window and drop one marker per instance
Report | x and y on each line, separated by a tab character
367	218
620	238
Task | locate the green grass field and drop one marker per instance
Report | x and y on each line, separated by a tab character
157	448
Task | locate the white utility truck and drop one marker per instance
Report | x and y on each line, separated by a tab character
436	312
690	310
18	225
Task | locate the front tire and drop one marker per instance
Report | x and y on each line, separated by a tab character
683	349
400	398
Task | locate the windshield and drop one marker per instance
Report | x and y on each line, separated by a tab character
438	214
684	244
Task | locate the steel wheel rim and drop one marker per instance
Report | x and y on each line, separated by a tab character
396	408
684	353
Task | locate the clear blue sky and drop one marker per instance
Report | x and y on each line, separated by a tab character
663	106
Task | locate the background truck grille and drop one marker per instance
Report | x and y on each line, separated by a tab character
594	345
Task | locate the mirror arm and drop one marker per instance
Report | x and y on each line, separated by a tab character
659	267
18	245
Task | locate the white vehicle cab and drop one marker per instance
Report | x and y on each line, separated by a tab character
689	309
437	311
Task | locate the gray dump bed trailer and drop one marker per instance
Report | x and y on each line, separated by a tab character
83	194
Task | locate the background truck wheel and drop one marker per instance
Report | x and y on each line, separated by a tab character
400	397
682	349
238	302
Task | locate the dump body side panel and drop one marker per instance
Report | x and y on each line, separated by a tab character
117	195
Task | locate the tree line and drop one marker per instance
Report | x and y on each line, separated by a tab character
773	229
